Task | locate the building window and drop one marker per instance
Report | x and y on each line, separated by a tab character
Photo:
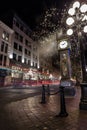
33	63
4	62
36	57
19	58
27	43
16	35
29	53
6	48
2	47
25	60
20	38
1	59
26	51
28	62
15	45
5	36
20	48
36	65
14	56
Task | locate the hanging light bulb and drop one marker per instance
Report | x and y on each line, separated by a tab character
71	11
76	4
70	21
69	32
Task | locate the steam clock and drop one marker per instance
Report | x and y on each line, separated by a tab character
65	67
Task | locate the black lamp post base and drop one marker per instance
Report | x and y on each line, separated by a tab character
62	114
43	95
43	102
83	100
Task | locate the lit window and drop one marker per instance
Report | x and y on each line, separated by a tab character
5	36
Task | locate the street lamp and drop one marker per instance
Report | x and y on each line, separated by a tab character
77	24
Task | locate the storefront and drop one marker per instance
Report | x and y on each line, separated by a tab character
22	74
16	74
5	77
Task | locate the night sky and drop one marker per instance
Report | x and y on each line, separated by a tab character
30	10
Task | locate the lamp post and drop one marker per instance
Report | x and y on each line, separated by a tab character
77	24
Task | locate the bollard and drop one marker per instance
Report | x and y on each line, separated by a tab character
48	89
63	112
43	94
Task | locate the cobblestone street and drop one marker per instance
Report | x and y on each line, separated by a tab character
29	114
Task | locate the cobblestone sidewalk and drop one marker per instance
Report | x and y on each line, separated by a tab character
30	114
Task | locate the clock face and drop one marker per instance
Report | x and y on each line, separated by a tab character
63	44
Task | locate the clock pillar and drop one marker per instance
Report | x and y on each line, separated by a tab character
65	64
65	68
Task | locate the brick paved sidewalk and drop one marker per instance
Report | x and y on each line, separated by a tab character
30	114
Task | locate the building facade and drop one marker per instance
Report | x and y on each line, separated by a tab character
24	52
6	40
